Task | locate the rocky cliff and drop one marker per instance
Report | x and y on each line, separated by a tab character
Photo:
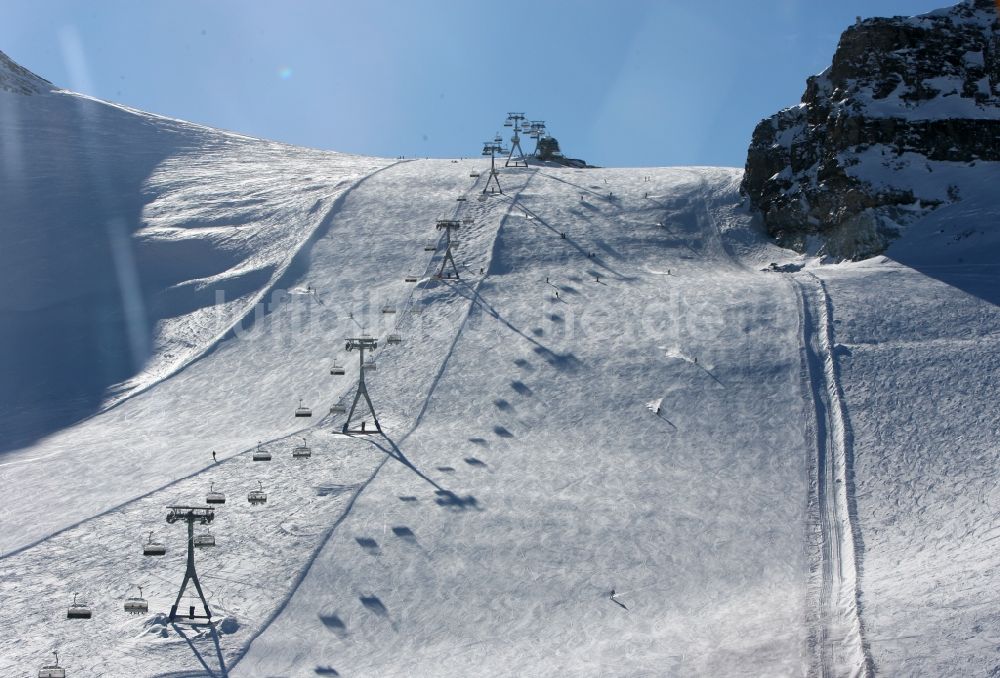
894	127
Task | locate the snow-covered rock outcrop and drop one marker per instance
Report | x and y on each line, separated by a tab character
907	113
18	79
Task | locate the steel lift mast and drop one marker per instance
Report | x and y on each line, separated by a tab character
361	344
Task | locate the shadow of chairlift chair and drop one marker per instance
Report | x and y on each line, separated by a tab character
394	339
214	497
337	370
410	279
52	670
153	548
302	410
388	308
138	605
204	539
467	220
78	610
258	496
302	451
261	454
337	408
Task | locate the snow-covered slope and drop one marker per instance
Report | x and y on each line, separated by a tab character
777	474
132	243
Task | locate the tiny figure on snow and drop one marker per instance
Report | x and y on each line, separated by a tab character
616	601
213	457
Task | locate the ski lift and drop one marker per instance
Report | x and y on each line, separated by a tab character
467	220
508	123
302	451
410	279
388	308
259	496
214	497
137	605
78	610
302	410
261	454
369	365
337	409
394	339
337	370
430	246
461	198
152	548
203	539
474	175
52	670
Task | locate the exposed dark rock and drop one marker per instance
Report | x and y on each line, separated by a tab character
899	91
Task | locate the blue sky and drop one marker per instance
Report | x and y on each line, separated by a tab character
619	82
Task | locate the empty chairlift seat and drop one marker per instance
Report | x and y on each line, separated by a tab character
261	454
369	365
52	670
153	548
214	497
302	451
430	246
388	308
258	496
474	174
137	605
78	610
337	408
394	339
467	220
302	410
410	279
203	539
337	370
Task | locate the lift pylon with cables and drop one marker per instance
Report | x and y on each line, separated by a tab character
362	344
447	225
491	148
514	120
191	515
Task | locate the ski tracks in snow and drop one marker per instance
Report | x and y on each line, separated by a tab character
837	641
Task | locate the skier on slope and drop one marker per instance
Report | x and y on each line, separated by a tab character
213	457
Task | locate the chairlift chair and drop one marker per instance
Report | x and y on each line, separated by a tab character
261	454
137	605
388	308
394	339
203	539
337	409
410	279
474	175
302	451
259	496
302	410
430	246
52	670
78	610
337	370
152	548
214	497
461	198
369	365
467	220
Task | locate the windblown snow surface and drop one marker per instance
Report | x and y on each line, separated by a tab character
816	495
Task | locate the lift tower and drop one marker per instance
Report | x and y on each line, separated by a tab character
536	131
362	344
491	148
514	120
447	225
191	515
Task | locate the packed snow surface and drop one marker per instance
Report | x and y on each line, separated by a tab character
785	474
